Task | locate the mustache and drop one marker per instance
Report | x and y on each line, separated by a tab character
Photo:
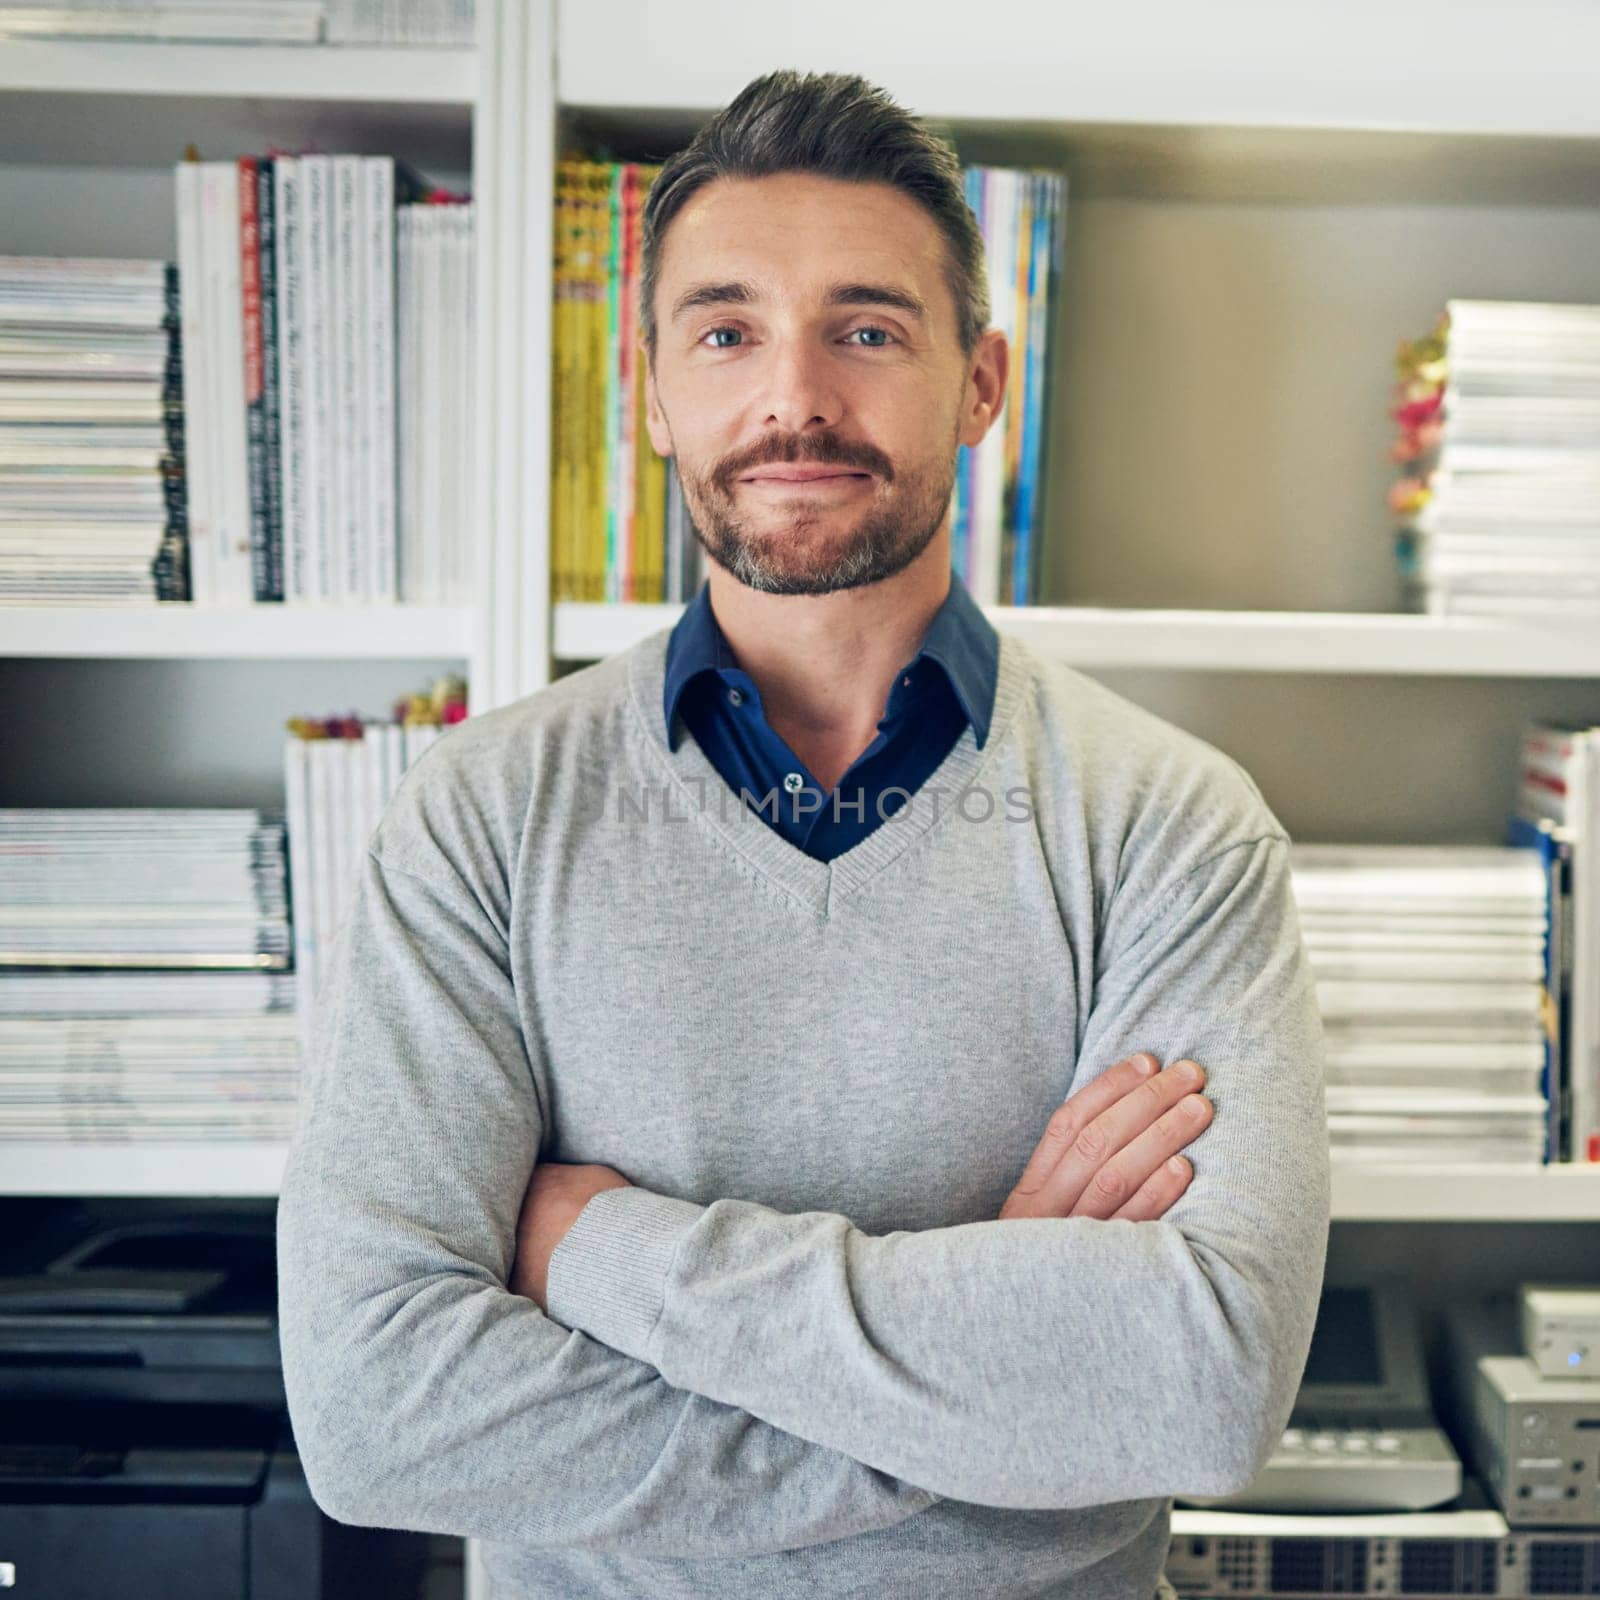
812	449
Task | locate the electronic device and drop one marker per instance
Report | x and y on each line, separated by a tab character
1450	1553
1362	1436
1533	1440
145	1444
1561	1329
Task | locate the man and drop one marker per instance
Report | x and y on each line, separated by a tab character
735	1161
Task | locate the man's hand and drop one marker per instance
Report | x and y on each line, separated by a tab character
557	1192
1106	1151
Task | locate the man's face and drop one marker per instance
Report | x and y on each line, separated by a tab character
808	378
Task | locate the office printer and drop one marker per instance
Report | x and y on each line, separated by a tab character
145	1445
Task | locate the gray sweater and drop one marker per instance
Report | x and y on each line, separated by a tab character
800	1358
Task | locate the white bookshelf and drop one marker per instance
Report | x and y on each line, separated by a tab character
1263	201
93	130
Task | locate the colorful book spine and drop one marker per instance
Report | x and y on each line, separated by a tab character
1554	848
271	411
254	395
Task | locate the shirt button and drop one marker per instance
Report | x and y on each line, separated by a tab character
905	682
793	782
735	697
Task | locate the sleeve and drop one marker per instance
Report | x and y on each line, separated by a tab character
1033	1362
423	1394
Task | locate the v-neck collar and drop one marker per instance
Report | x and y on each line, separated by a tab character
700	792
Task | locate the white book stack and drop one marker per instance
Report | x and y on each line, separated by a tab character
437	392
293	391
91	437
382	22
339	775
1429	964
1512	522
211	21
401	21
144	983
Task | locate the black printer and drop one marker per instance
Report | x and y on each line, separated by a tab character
145	1445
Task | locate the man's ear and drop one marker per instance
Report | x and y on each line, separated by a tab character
655	418
985	392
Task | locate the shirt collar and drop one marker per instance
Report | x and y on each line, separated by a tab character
960	640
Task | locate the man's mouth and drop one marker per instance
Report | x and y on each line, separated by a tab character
792	477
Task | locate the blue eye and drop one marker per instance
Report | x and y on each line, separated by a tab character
874	345
714	331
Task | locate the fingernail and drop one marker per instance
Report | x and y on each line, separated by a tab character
1175	1167
1188	1072
1144	1066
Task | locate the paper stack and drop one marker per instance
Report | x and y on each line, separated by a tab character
92	494
339	776
145	990
1499	414
1429	964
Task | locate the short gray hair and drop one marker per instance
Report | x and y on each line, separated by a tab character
836	125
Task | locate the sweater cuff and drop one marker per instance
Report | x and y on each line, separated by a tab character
608	1275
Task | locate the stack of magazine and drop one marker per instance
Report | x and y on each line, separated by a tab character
339	775
91	432
1499	446
1429	964
145	991
327	318
245	21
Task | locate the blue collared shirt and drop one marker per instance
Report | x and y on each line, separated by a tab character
946	686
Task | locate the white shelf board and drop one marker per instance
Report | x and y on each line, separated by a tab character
1377	1194
412	75
1217	641
267	632
1466	1194
38	1167
1229	63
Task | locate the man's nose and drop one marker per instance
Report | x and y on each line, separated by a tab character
802	391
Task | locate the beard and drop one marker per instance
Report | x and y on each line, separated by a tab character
793	555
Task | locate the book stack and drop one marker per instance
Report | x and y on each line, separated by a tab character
401	22
246	21
1499	493
438	401
1557	814
1429	964
339	775
220	21
290	325
621	529
144	983
995	514
92	505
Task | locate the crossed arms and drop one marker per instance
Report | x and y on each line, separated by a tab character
752	1381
